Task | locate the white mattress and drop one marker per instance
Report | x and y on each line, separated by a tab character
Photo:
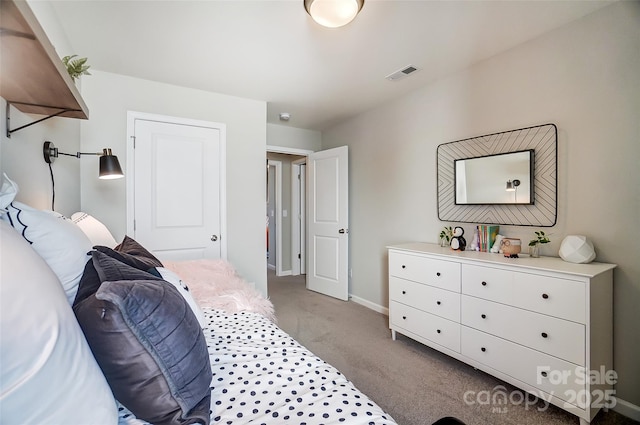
261	375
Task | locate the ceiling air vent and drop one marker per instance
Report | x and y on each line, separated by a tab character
401	73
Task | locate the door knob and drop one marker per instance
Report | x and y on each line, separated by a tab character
343	231
214	238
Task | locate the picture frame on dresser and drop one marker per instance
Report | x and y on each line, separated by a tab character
542	325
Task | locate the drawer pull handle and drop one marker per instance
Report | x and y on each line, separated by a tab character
544	374
545	296
404	267
404	292
404	317
544	334
484	283
438	274
483	349
438	330
438	302
484	316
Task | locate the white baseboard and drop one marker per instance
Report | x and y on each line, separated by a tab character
627	409
285	273
369	304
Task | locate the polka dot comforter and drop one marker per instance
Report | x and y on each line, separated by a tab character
261	375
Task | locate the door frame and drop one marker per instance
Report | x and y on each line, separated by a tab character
132	116
277	165
296	237
299	217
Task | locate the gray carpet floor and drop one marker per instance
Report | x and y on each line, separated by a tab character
415	384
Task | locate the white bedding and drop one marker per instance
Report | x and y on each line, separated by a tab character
262	375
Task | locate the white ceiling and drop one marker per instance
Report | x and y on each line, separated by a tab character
273	51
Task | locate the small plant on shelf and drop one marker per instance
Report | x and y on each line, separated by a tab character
541	238
445	235
534	244
76	67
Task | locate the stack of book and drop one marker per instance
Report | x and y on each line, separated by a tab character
486	236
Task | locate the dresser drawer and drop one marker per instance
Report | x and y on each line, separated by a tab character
434	328
558	337
543	294
424	297
532	367
439	273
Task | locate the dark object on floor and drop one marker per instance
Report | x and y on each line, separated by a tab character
448	421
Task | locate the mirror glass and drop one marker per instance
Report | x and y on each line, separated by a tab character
504	179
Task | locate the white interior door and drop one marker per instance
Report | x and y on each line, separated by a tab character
328	222
178	211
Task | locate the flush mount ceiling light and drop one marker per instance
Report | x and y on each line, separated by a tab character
333	13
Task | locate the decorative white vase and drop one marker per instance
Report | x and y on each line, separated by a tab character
577	249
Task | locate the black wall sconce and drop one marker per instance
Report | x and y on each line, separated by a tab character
512	186
109	164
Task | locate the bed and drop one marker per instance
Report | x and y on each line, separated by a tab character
95	331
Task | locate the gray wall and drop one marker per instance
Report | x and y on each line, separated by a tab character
21	155
21	158
584	78
110	96
291	137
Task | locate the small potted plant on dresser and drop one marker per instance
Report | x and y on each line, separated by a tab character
445	236
534	244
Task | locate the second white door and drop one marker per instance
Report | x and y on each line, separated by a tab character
328	222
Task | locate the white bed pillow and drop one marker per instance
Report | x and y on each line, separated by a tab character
47	373
175	280
97	232
8	192
56	239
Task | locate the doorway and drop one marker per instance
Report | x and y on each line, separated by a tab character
285	208
322	232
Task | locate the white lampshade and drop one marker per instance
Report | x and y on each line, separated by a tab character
577	249
333	13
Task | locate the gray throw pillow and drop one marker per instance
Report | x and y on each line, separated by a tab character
132	247
148	344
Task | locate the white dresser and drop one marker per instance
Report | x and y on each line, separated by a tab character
541	324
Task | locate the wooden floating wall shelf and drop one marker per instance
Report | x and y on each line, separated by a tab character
33	78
